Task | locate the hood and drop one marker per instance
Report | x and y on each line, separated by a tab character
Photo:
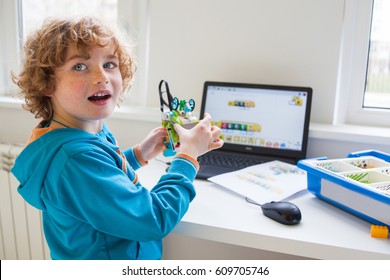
32	164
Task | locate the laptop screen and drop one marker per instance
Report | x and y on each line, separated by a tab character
263	119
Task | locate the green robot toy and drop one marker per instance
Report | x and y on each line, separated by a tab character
174	111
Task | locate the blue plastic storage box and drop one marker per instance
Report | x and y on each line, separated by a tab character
359	184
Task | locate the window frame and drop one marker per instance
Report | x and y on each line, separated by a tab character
353	69
10	45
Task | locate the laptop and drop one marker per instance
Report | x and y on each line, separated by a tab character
259	123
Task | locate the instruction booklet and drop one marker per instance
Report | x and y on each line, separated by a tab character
271	181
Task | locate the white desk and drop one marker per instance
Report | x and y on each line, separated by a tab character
325	231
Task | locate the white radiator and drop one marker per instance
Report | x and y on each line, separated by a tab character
21	233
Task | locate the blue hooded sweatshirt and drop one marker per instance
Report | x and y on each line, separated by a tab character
93	206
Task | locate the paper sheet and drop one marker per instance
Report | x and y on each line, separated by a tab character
271	181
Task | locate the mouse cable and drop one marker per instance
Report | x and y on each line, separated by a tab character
251	201
168	163
294	195
163	161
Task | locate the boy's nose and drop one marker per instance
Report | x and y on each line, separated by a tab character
100	77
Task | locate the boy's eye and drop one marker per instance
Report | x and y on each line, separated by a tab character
79	67
109	65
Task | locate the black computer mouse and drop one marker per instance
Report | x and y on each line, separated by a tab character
282	211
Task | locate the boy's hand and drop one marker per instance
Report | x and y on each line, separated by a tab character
152	145
200	139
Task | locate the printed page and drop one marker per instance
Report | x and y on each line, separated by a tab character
271	181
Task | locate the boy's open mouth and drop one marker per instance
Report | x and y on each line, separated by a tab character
101	96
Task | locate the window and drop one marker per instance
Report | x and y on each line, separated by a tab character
8	45
24	16
27	15
377	92
364	85
34	12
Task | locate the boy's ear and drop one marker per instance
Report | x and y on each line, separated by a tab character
48	93
50	89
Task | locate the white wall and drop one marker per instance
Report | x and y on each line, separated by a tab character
255	41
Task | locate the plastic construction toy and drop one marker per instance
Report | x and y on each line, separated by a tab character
379	231
174	111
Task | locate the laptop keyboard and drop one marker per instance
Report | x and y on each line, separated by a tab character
234	162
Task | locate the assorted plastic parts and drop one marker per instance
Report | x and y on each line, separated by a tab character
358	184
174	111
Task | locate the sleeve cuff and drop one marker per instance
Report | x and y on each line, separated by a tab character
190	158
138	155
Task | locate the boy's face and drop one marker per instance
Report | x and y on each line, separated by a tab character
87	90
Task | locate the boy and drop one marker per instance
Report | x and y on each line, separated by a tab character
93	205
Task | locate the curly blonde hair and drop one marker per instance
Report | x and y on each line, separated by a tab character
45	50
